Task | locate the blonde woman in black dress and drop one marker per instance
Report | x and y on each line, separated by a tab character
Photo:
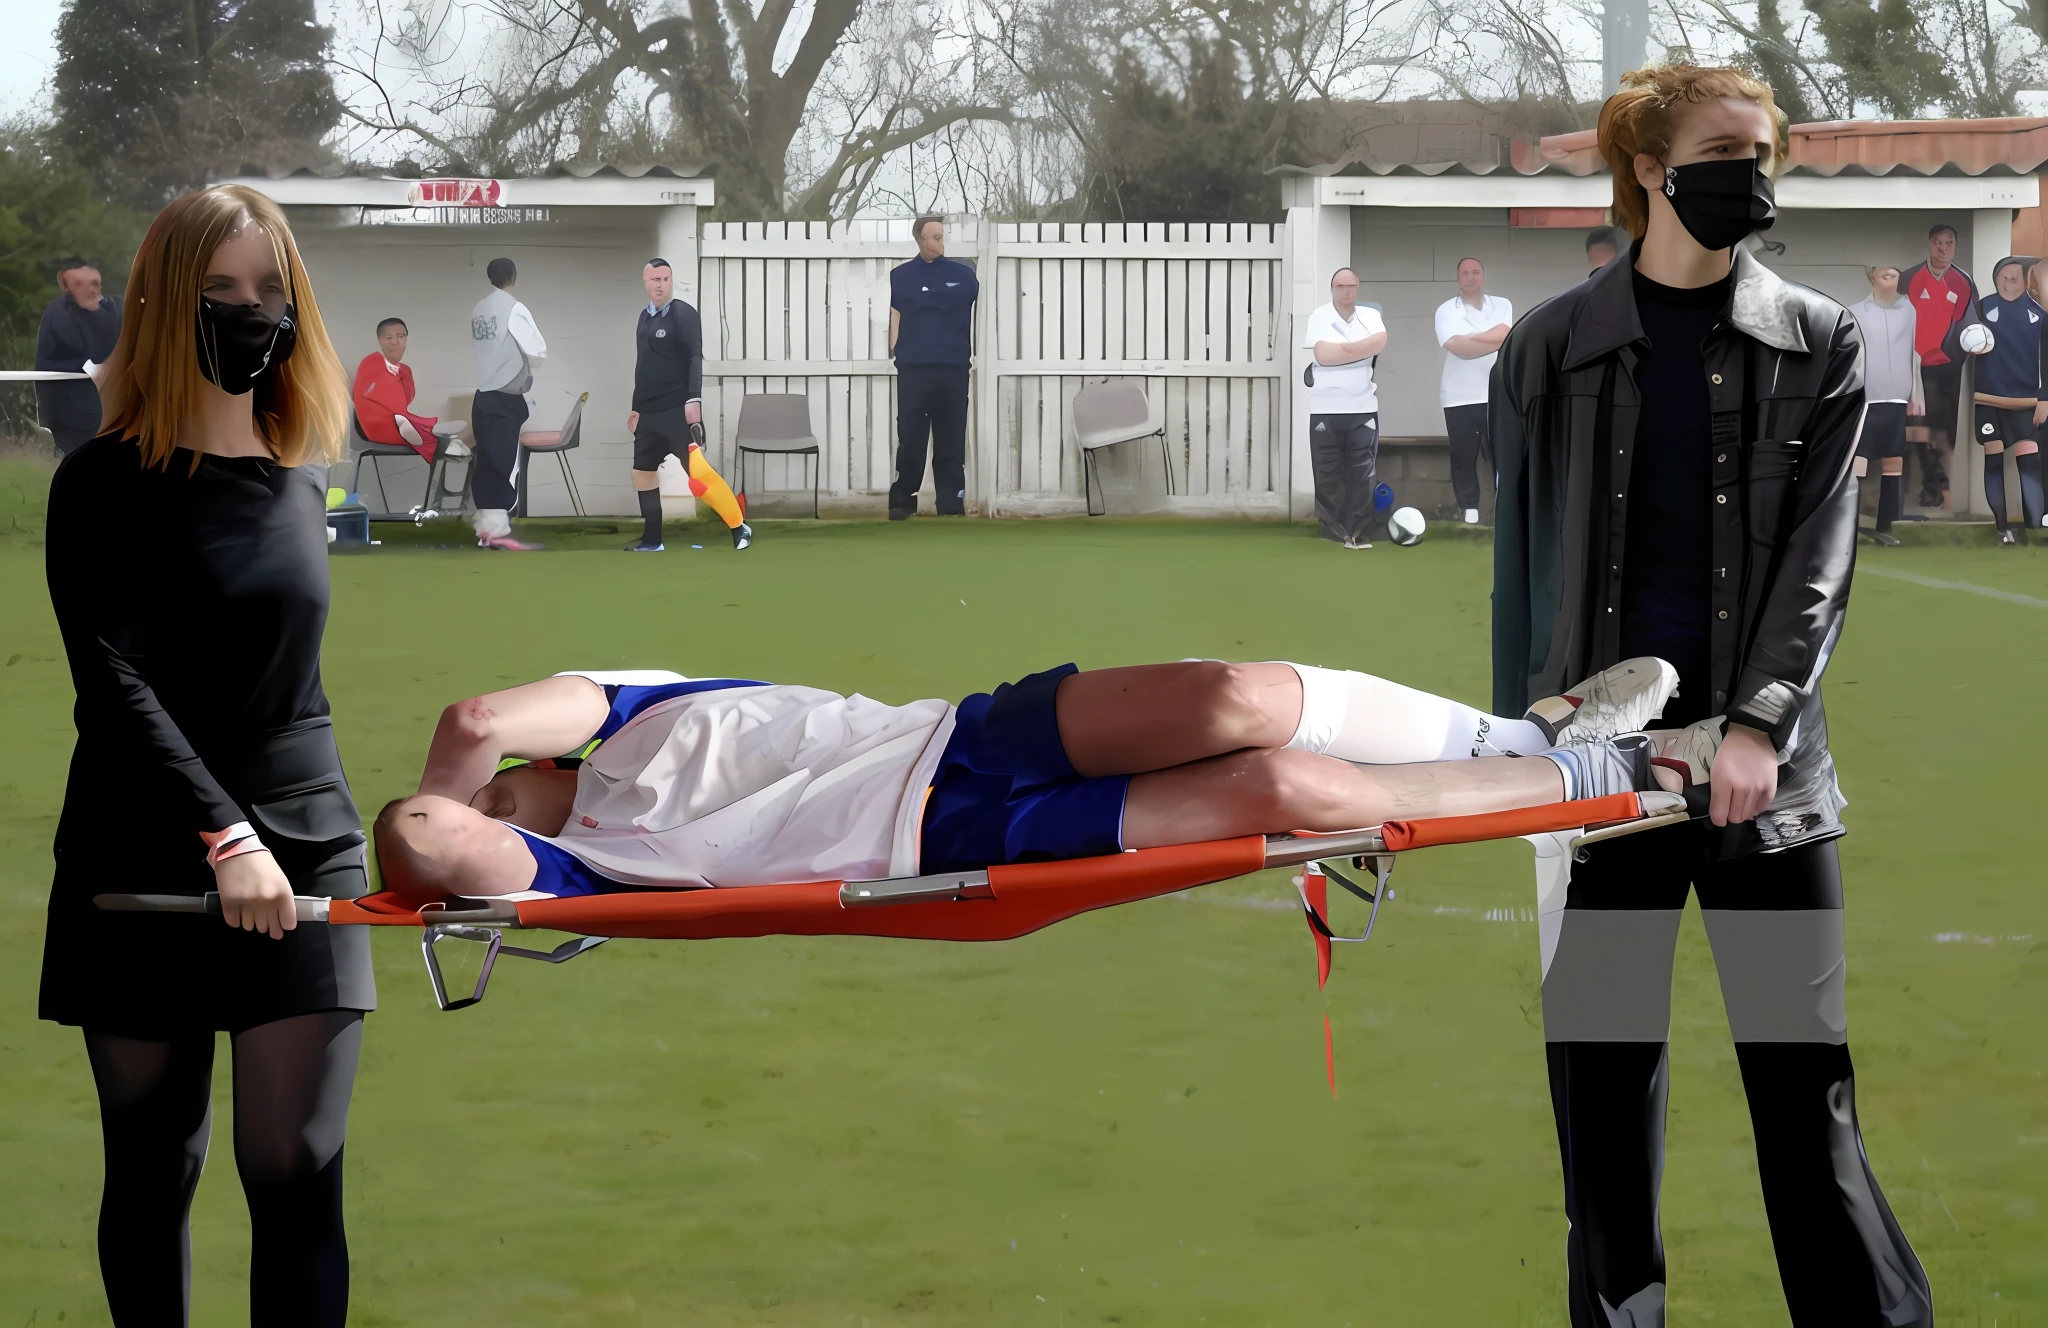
188	570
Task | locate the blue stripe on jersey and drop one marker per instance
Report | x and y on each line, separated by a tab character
628	701
2012	367
560	873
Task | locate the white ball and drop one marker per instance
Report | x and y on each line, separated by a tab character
1406	525
1977	339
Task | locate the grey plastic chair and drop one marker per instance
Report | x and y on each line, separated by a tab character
778	424
376	454
1106	414
558	444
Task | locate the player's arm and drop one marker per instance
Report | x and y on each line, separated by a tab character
1916	399
531	722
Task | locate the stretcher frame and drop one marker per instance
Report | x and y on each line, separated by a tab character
999	903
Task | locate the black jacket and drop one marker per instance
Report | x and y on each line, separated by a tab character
668	370
68	337
1785	378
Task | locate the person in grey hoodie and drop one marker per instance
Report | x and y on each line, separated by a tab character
1892	390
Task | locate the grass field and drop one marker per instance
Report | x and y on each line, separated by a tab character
1122	1119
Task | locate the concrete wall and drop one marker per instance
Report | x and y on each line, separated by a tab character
1407	260
579	274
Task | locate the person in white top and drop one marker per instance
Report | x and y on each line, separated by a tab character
507	342
1470	327
1892	389
685	783
1342	337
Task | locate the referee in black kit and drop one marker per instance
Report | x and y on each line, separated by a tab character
931	332
668	410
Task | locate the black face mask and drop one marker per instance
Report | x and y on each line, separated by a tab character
1721	202
239	344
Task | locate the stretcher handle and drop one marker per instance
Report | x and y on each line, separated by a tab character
309	908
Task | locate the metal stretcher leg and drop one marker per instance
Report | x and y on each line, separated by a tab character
493	941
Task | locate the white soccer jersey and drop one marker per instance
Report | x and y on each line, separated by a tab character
758	785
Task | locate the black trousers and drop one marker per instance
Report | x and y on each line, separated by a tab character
931	405
1344	454
1466	426
494	418
292	1083
1775	922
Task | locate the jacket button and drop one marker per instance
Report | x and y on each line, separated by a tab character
1717	380
1724	613
1720	497
1722	457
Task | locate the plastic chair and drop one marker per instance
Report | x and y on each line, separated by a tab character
778	424
375	454
558	444
1109	413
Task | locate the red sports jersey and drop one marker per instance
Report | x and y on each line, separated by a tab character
380	396
1940	306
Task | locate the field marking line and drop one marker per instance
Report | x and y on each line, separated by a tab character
1935	583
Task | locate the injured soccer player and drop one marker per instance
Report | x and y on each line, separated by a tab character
643	780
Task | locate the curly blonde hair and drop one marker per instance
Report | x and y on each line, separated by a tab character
1642	117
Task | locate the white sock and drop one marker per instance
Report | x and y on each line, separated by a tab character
1358	717
490	522
1596	769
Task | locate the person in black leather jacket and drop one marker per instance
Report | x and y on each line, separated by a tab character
1675	438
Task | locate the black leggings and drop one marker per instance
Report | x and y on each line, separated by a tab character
292	1084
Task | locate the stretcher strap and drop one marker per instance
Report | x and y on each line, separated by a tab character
1401	836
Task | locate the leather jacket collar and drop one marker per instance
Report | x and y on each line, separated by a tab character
1762	306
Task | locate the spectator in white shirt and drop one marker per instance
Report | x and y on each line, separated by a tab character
1470	327
507	342
1343	336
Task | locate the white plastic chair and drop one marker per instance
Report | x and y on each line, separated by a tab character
1109	413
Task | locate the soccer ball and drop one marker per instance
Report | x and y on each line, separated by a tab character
1977	339
1405	526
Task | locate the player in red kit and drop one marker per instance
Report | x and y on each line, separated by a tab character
1944	301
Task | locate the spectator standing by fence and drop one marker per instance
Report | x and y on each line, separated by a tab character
2009	385
1470	327
1342	337
80	326
931	337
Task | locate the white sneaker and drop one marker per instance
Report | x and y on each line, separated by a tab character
1690	750
1622	699
1471	516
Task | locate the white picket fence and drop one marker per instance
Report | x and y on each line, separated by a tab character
1196	312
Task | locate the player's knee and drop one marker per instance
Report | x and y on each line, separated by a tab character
1289	788
1237	709
1992	447
2027	448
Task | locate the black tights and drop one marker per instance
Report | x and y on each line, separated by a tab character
292	1083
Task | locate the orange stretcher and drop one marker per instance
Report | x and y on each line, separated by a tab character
997	904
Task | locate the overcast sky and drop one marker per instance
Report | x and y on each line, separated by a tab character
29	53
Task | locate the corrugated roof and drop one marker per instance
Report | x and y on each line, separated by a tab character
2015	145
351	170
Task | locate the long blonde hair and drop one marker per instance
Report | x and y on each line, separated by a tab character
1643	115
152	381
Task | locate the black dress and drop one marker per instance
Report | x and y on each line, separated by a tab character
192	602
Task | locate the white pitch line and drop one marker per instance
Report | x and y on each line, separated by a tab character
1935	583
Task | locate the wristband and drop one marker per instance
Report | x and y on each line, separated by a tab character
234	841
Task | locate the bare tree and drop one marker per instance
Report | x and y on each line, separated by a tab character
507	84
